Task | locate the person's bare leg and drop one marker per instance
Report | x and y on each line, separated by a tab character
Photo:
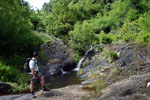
31	86
32	89
42	81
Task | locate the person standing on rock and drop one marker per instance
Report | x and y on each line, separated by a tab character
35	74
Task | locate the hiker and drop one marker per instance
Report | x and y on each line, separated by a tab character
35	74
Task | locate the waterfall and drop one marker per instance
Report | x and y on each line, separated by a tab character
84	57
79	64
63	72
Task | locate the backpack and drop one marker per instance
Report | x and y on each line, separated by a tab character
26	65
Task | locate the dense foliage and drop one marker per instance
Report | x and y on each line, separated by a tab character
88	22
15	27
17	41
79	23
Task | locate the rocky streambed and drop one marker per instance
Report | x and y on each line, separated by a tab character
73	92
123	69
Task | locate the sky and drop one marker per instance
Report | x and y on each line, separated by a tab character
37	4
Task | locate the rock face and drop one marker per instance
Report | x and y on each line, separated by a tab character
125	77
4	88
132	56
58	57
128	88
55	49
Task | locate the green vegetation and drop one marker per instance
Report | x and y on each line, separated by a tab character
114	71
19	87
79	23
85	23
18	80
112	56
97	86
17	41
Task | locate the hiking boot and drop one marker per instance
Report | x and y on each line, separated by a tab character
33	95
45	89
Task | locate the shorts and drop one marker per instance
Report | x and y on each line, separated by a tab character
38	76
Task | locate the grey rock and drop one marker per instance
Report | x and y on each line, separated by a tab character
133	60
84	75
53	70
87	82
55	49
4	88
58	56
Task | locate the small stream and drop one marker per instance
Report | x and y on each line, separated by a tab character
67	78
54	82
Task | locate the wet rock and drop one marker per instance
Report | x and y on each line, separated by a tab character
87	82
53	70
83	76
68	64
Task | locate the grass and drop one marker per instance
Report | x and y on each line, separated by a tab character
112	56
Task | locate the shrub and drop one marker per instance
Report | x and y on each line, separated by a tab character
104	38
76	57
146	38
44	37
112	56
14	77
20	84
7	73
82	37
22	87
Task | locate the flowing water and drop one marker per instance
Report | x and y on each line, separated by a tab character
67	78
84	57
54	82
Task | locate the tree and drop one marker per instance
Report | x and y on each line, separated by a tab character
15	28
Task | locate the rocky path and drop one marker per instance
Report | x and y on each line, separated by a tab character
73	92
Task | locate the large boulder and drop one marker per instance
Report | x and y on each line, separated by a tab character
53	70
58	57
55	49
4	88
